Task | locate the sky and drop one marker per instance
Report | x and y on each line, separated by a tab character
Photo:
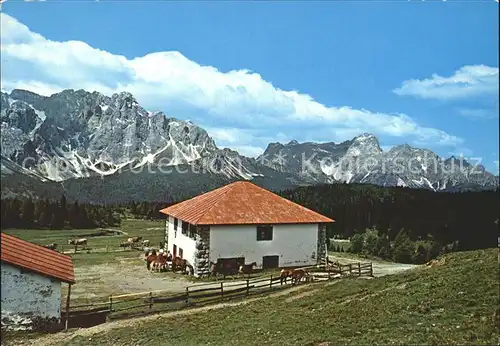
423	73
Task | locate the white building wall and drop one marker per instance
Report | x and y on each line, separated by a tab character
188	245
26	295
294	244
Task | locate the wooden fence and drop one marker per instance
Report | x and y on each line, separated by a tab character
69	249
136	304
350	269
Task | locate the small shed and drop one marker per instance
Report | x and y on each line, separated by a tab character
246	223
31	284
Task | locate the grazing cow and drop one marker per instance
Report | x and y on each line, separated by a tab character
247	268
52	246
298	274
125	244
76	242
285	274
134	239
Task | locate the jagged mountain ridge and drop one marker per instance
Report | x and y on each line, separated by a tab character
78	134
92	134
361	160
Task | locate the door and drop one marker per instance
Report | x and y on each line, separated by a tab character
180	252
269	262
175	251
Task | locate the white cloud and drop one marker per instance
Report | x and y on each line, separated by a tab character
467	82
478	113
239	99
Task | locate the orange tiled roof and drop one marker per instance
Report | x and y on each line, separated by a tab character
242	202
37	258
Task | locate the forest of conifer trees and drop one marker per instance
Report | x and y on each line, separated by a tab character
467	218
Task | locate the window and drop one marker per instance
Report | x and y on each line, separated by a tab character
175	227
192	231
185	227
264	233
181	252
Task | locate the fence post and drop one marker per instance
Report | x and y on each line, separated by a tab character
371	269
271	282
150	300
248	287
328	273
110	303
222	290
359	268
350	268
187	294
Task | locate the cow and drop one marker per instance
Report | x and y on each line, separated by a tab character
52	246
81	241
134	239
125	244
145	242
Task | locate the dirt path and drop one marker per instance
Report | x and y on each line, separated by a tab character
49	340
124	275
379	268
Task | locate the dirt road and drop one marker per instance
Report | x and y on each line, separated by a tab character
380	268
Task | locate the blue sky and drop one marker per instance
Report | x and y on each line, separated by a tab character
423	73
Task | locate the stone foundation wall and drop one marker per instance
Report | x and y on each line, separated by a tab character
321	252
202	252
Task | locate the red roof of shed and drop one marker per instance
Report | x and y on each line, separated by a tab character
37	258
242	202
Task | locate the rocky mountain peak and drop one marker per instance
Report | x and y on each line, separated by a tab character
95	134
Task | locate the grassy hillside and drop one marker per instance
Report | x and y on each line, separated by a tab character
454	302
